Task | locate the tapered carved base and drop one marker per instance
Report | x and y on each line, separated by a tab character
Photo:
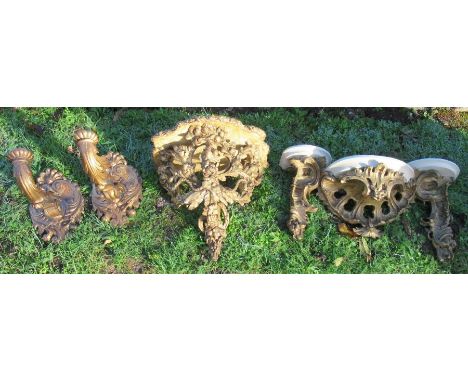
56	203
214	222
214	162
117	189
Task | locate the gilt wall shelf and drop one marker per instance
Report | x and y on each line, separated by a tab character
368	191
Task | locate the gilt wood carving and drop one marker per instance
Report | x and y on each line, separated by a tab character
117	189
56	204
365	198
305	182
433	188
214	162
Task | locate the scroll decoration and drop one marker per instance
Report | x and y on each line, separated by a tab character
56	204
366	192
117	189
214	162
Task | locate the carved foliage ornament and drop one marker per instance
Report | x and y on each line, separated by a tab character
117	189
56	204
367	197
366	192
214	162
433	188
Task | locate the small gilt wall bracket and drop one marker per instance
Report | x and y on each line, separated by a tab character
117	189
214	161
56	204
368	191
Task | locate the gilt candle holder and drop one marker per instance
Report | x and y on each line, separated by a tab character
214	161
117	189
56	204
368	191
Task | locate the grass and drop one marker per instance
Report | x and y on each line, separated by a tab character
167	240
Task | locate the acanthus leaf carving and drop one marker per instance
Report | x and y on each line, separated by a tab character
214	162
117	187
56	204
367	197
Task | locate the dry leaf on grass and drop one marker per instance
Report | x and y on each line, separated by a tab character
346	230
338	261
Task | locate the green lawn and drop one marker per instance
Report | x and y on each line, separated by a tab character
167	240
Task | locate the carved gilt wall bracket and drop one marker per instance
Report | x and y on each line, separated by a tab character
56	204
117	189
214	161
368	191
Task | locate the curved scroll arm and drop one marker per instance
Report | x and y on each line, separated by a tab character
21	160
433	188
305	181
95	166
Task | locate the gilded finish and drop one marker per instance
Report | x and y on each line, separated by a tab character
367	198
56	204
117	189
433	188
214	161
304	183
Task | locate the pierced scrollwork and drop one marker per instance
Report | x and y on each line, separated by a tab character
433	188
214	161
56	204
304	183
117	189
367	197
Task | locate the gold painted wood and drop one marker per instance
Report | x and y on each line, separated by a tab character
304	183
432	188
117	189
369	197
214	161
56	204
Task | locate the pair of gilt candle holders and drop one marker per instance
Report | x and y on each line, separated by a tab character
56	203
217	161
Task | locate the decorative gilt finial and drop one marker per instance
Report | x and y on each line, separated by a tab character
117	189
56	203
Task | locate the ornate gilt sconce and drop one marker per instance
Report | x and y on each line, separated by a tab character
56	204
117	189
214	161
368	191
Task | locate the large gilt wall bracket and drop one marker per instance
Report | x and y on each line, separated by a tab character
368	191
117	189
56	204
214	161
